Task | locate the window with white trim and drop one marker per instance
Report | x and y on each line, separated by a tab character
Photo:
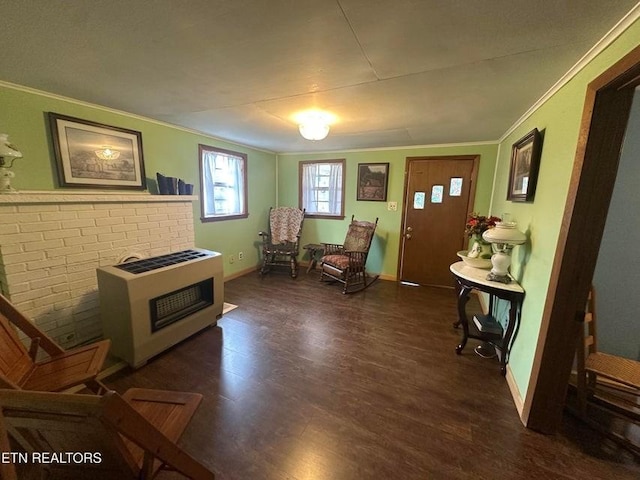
223	184
322	188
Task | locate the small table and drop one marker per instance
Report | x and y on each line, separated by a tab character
470	278
316	251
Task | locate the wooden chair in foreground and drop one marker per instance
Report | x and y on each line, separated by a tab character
127	437
606	383
62	369
346	263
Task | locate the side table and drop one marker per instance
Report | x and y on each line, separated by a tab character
316	251
470	278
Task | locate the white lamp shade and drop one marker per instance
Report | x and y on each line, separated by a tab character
7	150
506	233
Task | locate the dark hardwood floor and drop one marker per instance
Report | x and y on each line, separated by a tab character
302	382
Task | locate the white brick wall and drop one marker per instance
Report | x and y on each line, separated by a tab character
52	243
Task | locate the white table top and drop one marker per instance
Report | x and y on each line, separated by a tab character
479	276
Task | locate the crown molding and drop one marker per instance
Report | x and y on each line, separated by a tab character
55	96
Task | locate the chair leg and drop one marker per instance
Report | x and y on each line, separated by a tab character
97	387
294	267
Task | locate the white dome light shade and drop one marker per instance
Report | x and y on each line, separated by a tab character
314	131
314	125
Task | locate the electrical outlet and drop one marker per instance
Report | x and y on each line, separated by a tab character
241	256
232	258
392	206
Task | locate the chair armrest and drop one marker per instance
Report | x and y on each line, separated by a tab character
266	238
29	328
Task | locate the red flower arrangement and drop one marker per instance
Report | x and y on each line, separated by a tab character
478	224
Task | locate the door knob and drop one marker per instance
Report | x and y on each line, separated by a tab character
409	229
408	236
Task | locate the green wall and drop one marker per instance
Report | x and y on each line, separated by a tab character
168	150
559	119
383	257
173	151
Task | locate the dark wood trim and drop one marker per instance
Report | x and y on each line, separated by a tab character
604	121
244	156
472	192
344	176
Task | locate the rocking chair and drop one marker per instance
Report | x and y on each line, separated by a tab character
281	244
346	263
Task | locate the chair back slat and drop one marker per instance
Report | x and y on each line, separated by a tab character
15	362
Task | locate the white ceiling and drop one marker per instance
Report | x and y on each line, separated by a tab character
393	72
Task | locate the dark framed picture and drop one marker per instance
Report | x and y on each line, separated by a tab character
525	163
93	155
372	182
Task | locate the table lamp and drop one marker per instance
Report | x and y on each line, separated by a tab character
504	236
7	151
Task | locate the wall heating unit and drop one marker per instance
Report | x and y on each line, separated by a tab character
149	305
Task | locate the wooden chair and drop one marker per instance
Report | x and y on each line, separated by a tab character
131	436
281	244
346	263
610	381
62	369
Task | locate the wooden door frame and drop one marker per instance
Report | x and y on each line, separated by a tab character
604	121
472	192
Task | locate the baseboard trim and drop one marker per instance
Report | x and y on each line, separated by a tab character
515	394
241	273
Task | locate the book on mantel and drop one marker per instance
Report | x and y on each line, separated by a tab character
487	324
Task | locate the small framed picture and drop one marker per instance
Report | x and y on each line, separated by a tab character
372	182
525	163
93	155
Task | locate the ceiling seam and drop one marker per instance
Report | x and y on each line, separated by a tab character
355	36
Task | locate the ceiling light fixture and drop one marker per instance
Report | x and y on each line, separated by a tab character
314	125
107	153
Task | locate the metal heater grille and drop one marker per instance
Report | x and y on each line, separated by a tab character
148	264
176	305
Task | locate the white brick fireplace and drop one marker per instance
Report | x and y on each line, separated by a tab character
51	244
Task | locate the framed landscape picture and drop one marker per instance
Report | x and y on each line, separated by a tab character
525	163
372	182
93	155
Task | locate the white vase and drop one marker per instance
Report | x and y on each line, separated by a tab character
479	248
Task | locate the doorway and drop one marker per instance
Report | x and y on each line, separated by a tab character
604	122
438	195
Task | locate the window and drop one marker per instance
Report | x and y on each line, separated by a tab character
322	188
223	184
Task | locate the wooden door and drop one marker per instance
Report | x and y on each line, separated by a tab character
439	193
